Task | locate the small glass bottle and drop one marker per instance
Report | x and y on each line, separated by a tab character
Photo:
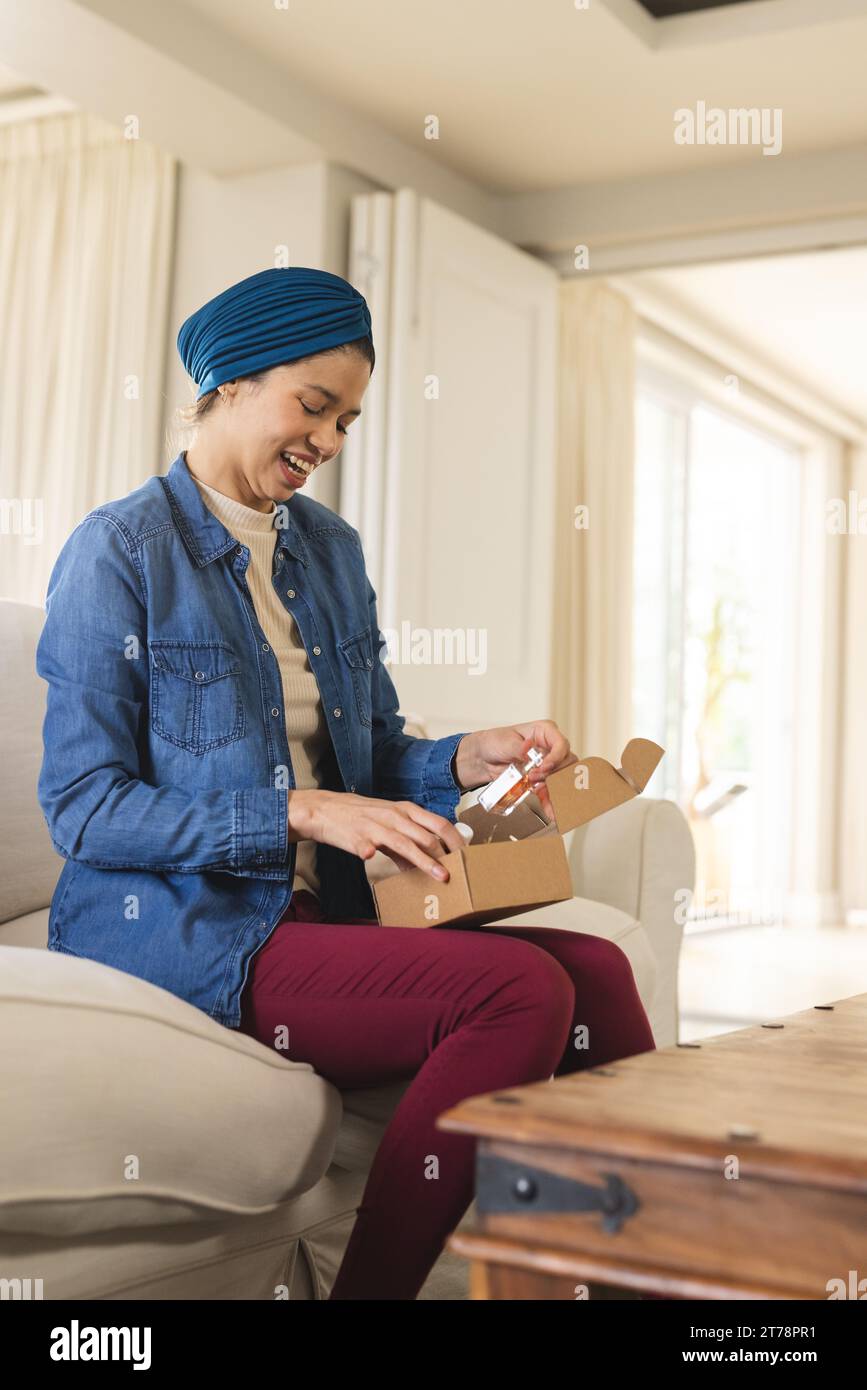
511	787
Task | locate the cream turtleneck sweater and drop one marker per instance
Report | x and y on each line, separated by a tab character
306	726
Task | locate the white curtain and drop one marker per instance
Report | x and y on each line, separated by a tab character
86	235
593	565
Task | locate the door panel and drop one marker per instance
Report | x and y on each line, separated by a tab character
463	553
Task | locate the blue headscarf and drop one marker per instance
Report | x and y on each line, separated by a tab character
272	317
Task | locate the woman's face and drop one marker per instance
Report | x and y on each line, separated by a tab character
282	428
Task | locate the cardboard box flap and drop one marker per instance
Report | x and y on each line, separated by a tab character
591	786
639	761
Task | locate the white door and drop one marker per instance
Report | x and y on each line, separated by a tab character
449	473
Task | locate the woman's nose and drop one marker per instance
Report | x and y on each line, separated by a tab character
323	442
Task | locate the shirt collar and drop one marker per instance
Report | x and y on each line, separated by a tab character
204	535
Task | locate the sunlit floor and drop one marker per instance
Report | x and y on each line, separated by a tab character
733	977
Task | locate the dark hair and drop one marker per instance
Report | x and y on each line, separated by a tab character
191	414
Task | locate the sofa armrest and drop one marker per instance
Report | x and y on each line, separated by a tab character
637	857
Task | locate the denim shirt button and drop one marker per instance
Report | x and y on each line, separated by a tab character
265	647
200	675
369	662
317	651
338	711
275	711
239	550
352	786
290	593
260	859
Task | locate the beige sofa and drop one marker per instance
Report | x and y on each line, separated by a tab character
148	1152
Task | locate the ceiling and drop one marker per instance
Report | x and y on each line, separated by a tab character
805	315
536	94
555	119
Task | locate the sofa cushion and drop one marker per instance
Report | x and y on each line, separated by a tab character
124	1106
235	1257
30	866
30	930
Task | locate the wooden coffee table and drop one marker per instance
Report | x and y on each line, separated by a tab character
735	1168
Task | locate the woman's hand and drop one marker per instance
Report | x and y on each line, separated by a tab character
482	756
408	834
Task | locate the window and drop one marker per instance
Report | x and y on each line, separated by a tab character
717	520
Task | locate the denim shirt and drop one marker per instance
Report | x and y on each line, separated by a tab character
166	769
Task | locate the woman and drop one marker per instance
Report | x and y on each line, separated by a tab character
223	752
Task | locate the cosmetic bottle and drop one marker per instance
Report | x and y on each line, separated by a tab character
511	787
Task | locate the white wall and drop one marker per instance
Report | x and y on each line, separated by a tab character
230	228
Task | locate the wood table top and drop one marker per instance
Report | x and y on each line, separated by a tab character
789	1097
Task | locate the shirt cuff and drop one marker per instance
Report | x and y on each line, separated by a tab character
261	829
440	785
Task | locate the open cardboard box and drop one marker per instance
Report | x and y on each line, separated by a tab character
515	862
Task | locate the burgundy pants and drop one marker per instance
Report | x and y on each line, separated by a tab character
454	1011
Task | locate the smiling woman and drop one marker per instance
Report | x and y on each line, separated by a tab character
223	751
314	396
280	361
277	424
280	365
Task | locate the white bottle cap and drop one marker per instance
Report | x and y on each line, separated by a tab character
464	829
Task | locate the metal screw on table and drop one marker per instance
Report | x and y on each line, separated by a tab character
525	1189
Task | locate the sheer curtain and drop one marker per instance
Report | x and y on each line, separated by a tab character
593	560
86	236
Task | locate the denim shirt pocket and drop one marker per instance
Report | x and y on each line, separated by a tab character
357	652
196	694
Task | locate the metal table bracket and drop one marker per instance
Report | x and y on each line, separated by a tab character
503	1186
